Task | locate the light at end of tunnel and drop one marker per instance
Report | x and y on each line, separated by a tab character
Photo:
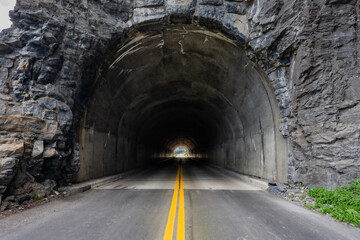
181	152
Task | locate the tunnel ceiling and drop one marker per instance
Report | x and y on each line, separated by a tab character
180	82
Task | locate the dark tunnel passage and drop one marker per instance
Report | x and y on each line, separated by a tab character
181	86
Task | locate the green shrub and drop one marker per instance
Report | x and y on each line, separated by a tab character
342	203
36	197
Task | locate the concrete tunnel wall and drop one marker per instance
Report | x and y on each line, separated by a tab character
180	84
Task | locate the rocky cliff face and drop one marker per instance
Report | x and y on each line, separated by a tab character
49	58
313	46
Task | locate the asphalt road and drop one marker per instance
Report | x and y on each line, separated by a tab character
218	205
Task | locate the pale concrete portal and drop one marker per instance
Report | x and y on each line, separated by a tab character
181	84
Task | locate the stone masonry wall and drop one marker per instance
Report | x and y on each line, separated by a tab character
49	58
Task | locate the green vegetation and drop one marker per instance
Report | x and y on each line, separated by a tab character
36	197
311	207
342	203
302	197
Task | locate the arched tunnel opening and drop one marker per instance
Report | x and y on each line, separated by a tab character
180	85
181	151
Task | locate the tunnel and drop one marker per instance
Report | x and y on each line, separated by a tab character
176	85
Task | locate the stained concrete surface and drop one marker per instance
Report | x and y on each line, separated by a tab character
218	205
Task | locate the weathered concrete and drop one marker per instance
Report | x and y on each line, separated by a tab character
304	54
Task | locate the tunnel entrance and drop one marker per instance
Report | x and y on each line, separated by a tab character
181	85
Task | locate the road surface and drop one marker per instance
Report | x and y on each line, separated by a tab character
217	205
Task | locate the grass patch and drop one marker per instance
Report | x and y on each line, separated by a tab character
342	203
302	197
311	207
36	197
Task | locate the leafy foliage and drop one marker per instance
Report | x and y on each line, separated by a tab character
342	203
36	197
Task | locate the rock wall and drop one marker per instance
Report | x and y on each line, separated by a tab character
310	51
49	58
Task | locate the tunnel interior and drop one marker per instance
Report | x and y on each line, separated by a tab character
180	85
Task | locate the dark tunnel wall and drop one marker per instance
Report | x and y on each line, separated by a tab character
180	84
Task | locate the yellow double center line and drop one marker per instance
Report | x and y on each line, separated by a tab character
178	191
